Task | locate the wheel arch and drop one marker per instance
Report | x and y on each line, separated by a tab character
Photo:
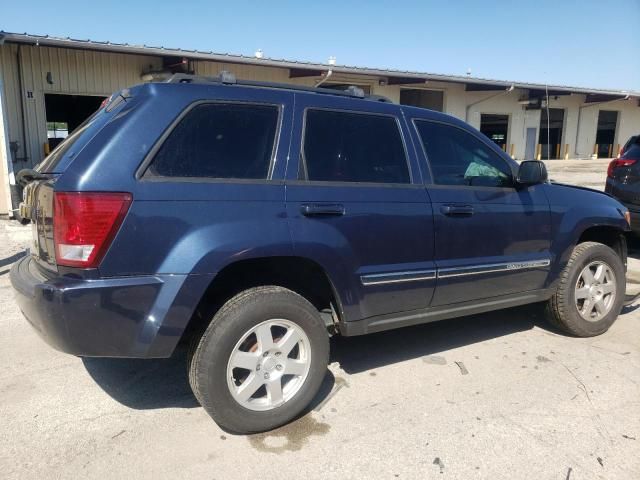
611	236
302	275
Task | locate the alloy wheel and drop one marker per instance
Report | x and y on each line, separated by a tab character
269	365
595	291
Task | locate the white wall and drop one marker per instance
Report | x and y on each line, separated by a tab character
628	124
505	103
629	119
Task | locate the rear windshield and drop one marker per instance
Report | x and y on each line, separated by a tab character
78	138
633	150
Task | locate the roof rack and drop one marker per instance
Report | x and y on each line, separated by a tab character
228	78
225	77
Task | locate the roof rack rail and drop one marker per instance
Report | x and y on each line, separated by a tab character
225	77
355	91
228	78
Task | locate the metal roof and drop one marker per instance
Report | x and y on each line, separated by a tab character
396	75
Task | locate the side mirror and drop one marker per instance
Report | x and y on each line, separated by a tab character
532	172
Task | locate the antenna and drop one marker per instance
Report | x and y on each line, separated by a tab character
546	87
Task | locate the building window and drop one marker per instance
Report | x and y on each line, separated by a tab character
551	124
57	129
496	127
418	97
606	133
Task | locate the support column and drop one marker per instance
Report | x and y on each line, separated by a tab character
6	166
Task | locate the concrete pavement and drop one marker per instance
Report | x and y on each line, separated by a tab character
587	173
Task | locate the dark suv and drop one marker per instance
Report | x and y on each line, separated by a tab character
258	219
623	180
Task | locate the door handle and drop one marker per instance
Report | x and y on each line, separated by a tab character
322	209
457	210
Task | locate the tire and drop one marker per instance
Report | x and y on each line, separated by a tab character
566	304
239	328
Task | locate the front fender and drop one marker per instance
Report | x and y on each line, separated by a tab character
573	211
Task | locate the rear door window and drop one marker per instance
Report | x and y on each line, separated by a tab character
353	147
457	157
219	140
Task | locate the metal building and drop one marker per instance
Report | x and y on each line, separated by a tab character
49	85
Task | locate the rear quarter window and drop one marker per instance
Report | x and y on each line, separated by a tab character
219	140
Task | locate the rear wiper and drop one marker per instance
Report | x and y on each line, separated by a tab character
28	175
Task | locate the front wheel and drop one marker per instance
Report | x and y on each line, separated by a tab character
260	361
591	291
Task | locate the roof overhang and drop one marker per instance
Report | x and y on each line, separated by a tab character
299	69
603	97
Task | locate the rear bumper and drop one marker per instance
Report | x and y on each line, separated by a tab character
142	316
634	212
624	193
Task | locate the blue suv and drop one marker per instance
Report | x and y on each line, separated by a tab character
257	219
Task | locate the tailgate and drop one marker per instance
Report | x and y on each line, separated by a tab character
37	206
625	191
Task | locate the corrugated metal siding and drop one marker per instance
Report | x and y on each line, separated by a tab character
279	75
82	72
9	71
245	72
77	72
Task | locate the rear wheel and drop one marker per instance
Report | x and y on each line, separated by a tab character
591	291
260	361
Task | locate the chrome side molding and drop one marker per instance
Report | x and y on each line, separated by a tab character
397	277
421	275
492	268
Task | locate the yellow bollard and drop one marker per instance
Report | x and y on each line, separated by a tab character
557	150
512	150
609	151
595	150
47	149
538	151
566	151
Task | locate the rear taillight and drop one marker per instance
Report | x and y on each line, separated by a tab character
84	224
619	162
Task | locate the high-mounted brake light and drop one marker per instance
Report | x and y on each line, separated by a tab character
84	224
619	162
106	101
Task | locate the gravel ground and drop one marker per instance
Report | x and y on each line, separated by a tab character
495	396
